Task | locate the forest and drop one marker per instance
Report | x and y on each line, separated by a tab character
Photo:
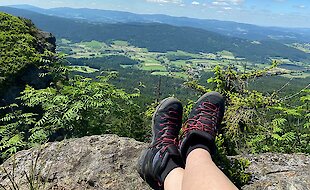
160	37
43	100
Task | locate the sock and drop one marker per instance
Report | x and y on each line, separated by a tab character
199	143
171	164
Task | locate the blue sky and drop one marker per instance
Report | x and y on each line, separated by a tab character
288	13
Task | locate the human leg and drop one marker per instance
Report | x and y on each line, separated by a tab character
201	173
197	144
174	179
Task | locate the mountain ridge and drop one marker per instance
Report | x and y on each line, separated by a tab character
160	37
228	28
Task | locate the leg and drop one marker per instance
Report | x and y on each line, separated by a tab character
206	174
197	144
174	179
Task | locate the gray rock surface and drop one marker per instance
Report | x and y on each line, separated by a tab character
279	171
45	40
108	162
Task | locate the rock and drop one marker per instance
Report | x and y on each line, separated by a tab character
279	171
108	162
96	162
46	41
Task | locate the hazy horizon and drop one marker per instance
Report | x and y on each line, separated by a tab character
277	13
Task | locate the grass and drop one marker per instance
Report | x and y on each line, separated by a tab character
157	62
226	54
94	45
179	63
120	43
172	74
83	69
180	75
34	179
182	53
153	68
150	61
65	41
210	56
303	75
126	66
302	47
161	73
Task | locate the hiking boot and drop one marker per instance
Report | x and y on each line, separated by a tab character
162	155
201	128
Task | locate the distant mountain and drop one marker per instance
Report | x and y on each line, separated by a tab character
160	37
227	28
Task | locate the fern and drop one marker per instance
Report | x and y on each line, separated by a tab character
258	122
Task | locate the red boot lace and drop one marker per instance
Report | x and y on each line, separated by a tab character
167	138
205	120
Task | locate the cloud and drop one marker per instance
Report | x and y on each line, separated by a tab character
165	1
301	6
195	3
226	5
227	2
217	3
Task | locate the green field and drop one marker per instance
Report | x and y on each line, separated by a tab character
172	74
82	69
153	68
302	47
173	64
94	45
226	54
179	63
120	43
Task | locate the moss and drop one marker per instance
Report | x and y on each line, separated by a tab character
234	169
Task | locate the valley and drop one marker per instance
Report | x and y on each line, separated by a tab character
176	64
67	73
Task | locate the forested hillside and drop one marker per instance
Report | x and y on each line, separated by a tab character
23	49
161	37
247	31
63	107
75	103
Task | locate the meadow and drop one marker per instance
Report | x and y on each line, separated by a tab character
176	64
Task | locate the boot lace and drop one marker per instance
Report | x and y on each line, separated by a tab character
167	135
205	120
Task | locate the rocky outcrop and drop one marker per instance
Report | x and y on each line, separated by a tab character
46	41
279	171
23	68
108	162
96	162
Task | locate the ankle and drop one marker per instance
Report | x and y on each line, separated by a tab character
197	139
171	165
197	146
198	154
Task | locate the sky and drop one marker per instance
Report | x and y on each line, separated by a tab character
284	13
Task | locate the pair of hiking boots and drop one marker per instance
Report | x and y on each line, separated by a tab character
167	151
